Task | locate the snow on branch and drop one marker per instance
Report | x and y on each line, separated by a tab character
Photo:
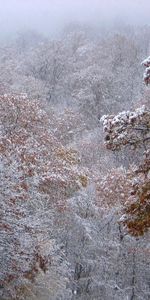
146	62
146	76
127	127
133	128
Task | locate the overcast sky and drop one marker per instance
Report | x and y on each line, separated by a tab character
51	15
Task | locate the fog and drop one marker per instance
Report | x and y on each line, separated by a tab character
74	147
49	16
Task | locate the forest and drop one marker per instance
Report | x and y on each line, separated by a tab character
75	164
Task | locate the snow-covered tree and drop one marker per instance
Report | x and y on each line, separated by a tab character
37	176
146	63
133	128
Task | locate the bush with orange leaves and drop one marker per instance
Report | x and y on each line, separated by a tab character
37	176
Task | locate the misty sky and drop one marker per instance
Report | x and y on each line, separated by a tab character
51	15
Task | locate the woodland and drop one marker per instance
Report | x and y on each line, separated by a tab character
75	164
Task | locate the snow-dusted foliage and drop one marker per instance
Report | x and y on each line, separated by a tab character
137	208
127	127
37	175
133	128
94	76
65	200
146	62
146	76
113	189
